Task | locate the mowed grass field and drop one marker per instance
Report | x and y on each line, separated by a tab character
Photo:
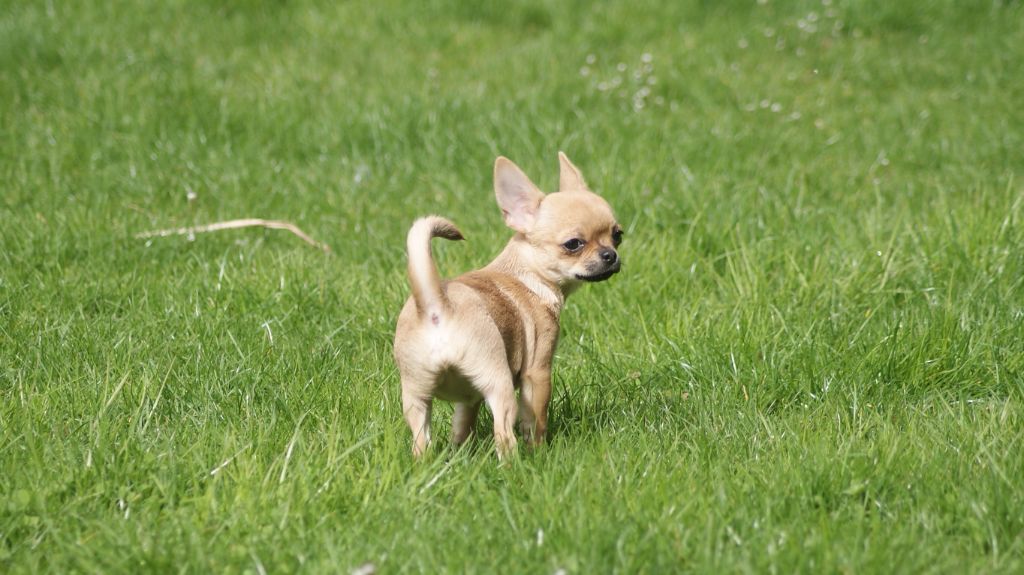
813	360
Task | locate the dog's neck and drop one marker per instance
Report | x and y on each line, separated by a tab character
515	261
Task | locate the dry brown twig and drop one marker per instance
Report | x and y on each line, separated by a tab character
235	224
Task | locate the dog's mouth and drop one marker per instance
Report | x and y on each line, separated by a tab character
599	277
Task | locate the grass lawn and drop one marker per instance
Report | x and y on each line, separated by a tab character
813	360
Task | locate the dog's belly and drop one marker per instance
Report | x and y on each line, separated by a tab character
453	386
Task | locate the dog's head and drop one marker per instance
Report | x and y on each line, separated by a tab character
572	234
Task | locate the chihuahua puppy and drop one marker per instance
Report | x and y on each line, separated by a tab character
479	337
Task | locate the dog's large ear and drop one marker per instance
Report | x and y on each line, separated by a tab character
569	176
517	197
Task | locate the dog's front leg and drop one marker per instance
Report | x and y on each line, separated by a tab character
463	421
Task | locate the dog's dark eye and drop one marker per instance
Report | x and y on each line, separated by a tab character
573	245
616	237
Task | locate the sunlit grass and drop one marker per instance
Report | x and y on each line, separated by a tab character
812	361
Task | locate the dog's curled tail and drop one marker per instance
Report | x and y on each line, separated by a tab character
423	277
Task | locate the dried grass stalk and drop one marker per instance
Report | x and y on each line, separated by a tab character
235	224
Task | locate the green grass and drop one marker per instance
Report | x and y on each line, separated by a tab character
813	360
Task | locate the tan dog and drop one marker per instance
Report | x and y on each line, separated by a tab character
488	332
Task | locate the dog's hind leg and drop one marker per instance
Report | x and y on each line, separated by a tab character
417	414
534	398
502	402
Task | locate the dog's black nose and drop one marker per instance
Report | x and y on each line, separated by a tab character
608	255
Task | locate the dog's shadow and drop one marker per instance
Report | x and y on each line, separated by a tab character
574	413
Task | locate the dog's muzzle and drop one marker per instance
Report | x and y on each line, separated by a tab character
610	270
